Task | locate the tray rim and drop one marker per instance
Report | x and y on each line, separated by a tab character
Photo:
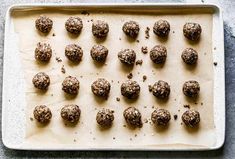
217	10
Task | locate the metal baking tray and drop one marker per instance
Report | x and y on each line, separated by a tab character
13	100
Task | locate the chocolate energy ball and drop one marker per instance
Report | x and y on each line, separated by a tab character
70	113
130	89
43	52
41	81
44	24
100	28
161	28
191	118
74	25
42	114
131	29
99	53
192	31
189	56
161	117
158	54
74	52
133	117
105	117
101	87
191	88
161	89
127	56
70	85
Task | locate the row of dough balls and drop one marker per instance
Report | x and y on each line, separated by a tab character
160	117
74	53
129	89
100	29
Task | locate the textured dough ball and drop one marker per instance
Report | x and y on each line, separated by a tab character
70	113
192	31
191	88
100	28
105	117
101	87
74	25
133	117
131	28
74	52
127	56
161	117
42	114
44	24
70	85
189	56
43	52
161	89
158	54
161	28
191	118
41	81
130	89
99	53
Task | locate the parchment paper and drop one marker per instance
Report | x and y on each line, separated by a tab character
87	134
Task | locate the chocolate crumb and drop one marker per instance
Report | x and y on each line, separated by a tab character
58	59
145	106
124	125
93	138
129	76
150	88
144	77
144	49
214	48
114	138
52	95
118	99
112	81
187	106
137	41
201	103
120	39
173	32
175	117
53	34
131	139
31	119
85	12
145	120
139	62
147	32
215	63
81	76
135	135
195	103
63	69
74	140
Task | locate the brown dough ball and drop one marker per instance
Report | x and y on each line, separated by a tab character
127	56
99	53
191	118
105	117
70	113
130	89
131	28
161	89
41	81
161	117
101	87
70	85
100	28
191	88
133	117
43	52
158	54
189	56
44	24
74	52
74	25
161	28
192	31
42	114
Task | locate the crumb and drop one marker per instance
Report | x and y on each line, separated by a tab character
202	1
215	63
112	81
118	99
135	135
85	12
204	53
91	20
214	48
95	108
178	110
63	69
58	59
114	138
97	73
201	103
175	99
31	119
52	95
74	140
138	73
81	76
129	76
195	103
93	138
88	20
147	32
53	34
120	39
150	88
181	123
139	62
145	120
187	106
131	139
144	134
124	125
145	106
153	107
137	41
175	117
118	81
90	132
173	32
144	49
144	77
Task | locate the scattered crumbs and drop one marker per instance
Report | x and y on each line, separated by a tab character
120	39
201	103
131	139
145	106
135	135
91	20
139	62
85	12
173	31
137	41
145	120
215	63
88	20
114	138
187	106
58	59
118	81
53	34
124	125
31	119
214	48
118	99
144	49
144	78
81	76
150	88
175	117
153	107
74	140
147	32
63	69
129	76
93	138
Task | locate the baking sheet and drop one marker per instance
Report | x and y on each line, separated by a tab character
86	134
